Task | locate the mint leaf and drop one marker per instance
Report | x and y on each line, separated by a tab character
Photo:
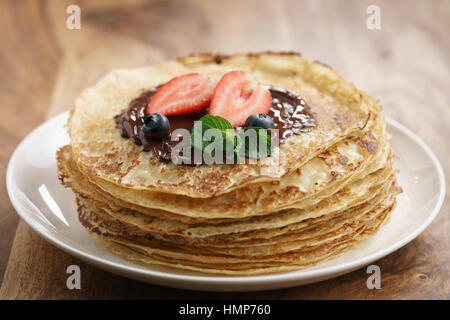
250	142
256	144
210	122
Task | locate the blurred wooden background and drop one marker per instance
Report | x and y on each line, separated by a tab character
44	65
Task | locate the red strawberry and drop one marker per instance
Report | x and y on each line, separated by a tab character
185	94
238	96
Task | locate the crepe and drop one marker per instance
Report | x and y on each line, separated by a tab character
278	263
102	153
317	195
353	194
263	237
328	171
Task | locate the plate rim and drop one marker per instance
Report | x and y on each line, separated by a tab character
224	279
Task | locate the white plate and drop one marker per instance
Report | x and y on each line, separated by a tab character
49	209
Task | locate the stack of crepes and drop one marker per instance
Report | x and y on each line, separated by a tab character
320	193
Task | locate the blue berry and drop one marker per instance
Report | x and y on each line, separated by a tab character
260	120
156	125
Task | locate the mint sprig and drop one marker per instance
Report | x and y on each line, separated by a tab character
257	143
225	129
242	142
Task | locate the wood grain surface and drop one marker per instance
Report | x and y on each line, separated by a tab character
44	65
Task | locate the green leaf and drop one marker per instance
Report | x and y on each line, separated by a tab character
208	122
243	144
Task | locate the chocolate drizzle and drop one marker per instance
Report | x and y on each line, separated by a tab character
290	113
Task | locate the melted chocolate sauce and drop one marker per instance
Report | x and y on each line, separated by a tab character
290	113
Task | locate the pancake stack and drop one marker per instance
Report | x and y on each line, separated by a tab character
320	192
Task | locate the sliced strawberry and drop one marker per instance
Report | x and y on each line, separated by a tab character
185	94
237	96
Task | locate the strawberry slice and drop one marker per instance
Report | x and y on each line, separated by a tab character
238	96
189	93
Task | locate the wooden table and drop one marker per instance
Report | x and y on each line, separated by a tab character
44	65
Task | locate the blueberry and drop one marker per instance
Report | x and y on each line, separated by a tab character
156	125
260	120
